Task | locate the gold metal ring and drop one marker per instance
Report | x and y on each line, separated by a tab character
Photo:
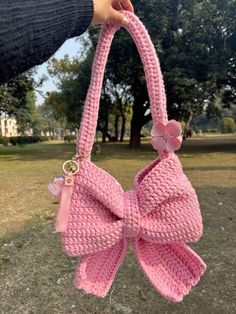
71	167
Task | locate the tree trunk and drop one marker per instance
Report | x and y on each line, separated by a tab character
136	125
104	137
116	128
135	138
5	125
190	117
122	132
105	128
105	133
138	121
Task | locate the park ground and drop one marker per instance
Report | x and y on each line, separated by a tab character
35	274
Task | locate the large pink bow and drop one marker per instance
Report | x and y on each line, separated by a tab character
159	215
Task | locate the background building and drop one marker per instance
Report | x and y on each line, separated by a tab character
8	126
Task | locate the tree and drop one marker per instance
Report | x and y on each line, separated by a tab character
13	95
46	121
17	99
57	106
228	125
25	114
195	41
73	78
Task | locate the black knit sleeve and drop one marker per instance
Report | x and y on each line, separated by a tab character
32	30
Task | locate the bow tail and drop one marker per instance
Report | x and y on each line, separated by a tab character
96	272
173	269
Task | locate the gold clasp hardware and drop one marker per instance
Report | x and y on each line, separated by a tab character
77	156
72	166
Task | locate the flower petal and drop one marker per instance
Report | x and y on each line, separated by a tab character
173	143
173	128
158	130
159	143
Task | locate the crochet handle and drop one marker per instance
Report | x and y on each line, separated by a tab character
152	72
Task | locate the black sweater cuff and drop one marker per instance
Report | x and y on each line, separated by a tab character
31	31
84	14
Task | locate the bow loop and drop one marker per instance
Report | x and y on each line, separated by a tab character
173	269
162	181
110	194
168	203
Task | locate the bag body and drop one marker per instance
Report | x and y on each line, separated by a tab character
159	216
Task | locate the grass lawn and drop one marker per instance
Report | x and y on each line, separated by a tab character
35	274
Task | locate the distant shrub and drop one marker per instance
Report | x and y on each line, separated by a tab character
212	130
33	139
44	138
4	140
13	140
228	125
69	138
24	140
53	137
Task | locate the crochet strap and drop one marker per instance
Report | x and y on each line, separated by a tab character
152	72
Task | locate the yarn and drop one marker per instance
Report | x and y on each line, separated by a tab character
55	186
159	216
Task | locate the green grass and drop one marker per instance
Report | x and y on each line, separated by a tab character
36	276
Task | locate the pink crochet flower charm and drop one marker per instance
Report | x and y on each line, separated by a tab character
167	137
55	186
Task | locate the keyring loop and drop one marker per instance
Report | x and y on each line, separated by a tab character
70	167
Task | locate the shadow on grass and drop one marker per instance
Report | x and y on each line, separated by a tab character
49	151
213	168
200	146
36	276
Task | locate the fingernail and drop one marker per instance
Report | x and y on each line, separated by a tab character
125	21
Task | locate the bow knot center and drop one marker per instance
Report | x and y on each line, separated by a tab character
132	214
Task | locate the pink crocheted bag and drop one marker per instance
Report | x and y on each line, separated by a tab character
159	215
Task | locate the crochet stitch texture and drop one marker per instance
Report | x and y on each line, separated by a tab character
159	215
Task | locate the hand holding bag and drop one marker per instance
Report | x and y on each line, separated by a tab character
159	215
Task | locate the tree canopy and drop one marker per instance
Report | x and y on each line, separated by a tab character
195	41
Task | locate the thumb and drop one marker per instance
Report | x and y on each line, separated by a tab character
118	17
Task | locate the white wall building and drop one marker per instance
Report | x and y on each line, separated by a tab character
8	126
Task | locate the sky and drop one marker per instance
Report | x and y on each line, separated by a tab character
70	47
